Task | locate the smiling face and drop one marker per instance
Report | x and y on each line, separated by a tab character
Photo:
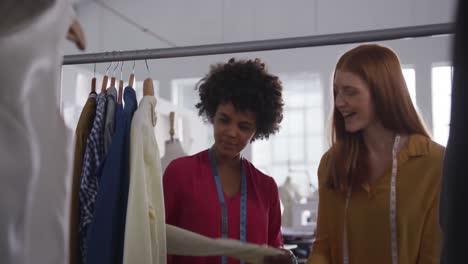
353	100
233	129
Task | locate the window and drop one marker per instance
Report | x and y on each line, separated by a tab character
185	96
441	102
297	148
74	101
410	79
184	93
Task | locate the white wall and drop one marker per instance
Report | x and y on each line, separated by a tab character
213	21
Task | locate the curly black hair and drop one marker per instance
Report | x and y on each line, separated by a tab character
249	87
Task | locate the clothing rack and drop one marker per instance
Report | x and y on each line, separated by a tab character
264	45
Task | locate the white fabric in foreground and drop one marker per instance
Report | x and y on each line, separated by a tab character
186	243
34	141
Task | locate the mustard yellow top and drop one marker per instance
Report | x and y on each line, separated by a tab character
368	222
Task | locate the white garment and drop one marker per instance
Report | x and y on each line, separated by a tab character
145	233
145	229
289	196
34	141
185	243
173	151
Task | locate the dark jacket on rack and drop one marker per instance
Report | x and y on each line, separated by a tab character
107	231
93	157
83	129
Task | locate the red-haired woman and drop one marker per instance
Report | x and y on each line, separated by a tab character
380	180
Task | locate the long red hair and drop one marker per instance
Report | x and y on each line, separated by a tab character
380	68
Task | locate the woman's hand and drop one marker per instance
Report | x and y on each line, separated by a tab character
286	258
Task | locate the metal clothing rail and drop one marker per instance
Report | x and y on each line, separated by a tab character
264	45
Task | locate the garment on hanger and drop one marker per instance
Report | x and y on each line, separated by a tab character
118	112
35	150
105	239
93	157
83	129
173	150
109	126
145	236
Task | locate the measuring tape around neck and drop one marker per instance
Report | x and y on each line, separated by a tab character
393	227
222	202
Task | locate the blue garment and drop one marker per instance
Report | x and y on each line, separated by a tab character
118	112
93	157
107	231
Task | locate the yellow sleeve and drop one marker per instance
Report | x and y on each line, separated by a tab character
431	237
320	253
431	241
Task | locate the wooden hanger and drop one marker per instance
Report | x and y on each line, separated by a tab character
104	83
148	84
171	128
75	34
93	84
105	79
131	80
93	81
132	76
148	87
113	76
121	83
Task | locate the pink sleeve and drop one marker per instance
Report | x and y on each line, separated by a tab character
170	184
170	197
275	238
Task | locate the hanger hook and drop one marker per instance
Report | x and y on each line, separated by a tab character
147	67
94	70
121	69
107	70
133	69
116	66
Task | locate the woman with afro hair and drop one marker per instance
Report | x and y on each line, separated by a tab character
217	192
